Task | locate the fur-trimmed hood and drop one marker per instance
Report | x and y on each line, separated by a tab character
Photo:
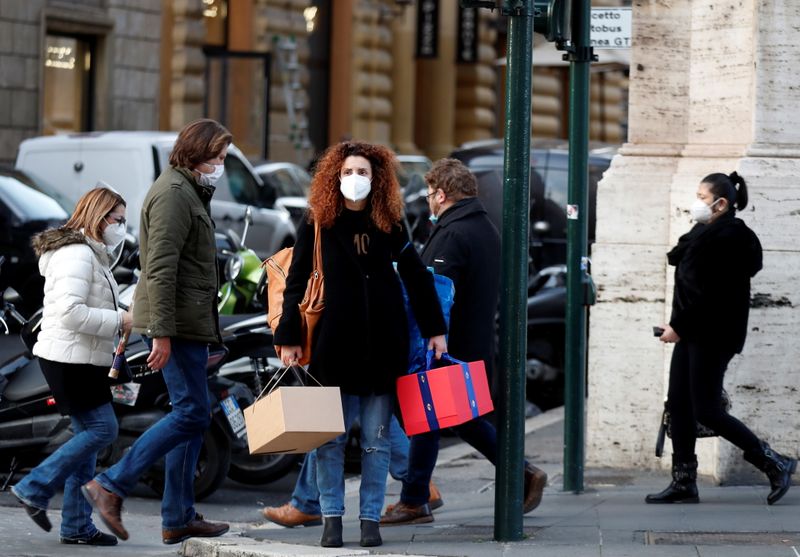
55	238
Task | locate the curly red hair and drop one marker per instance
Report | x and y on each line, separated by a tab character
385	203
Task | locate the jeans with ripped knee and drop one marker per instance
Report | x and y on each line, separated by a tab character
374	413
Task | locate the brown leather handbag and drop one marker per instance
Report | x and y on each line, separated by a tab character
277	268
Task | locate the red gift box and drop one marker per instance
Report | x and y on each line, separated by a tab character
443	397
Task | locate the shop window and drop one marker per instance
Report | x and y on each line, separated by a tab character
68	82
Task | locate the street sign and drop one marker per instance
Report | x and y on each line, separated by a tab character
611	27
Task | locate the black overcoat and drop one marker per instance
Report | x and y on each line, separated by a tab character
713	266
361	342
465	246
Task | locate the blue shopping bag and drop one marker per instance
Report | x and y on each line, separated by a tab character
418	346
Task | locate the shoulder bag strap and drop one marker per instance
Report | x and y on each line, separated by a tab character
317	248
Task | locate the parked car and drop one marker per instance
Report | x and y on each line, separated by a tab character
131	161
548	248
27	206
412	165
549	176
286	186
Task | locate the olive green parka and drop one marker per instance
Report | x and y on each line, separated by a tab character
177	291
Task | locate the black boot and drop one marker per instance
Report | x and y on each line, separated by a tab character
332	532
778	468
370	534
683	488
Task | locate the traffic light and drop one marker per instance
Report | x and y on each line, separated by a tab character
551	18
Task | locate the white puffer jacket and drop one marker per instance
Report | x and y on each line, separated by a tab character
80	317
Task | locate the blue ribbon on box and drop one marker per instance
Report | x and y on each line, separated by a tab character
427	400
427	395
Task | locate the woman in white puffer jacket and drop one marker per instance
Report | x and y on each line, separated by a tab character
75	347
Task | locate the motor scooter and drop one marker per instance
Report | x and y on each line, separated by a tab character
547	298
31	427
241	268
252	361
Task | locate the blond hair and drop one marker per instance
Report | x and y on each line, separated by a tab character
92	208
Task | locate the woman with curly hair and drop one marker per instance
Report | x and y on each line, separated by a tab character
361	342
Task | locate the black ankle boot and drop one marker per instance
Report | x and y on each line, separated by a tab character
778	468
683	488
370	534
332	532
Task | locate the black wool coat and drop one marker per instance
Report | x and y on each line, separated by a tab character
465	246
713	267
361	341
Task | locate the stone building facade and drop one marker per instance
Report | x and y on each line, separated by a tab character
714	87
119	43
288	77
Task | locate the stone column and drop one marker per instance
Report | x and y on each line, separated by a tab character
404	81
713	88
436	89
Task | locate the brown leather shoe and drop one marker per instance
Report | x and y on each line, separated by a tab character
197	528
108	505
435	500
290	516
406	514
535	480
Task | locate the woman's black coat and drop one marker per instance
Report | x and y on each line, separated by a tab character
465	246
361	342
713	266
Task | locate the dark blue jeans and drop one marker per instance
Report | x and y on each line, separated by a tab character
71	466
480	433
177	436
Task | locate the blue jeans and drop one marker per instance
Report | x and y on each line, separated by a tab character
71	466
480	433
305	496
374	412
178	436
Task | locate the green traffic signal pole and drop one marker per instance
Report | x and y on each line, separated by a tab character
580	57
514	291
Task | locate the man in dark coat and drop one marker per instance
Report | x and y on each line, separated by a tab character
464	246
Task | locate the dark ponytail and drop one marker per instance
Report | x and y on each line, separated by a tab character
741	190
731	186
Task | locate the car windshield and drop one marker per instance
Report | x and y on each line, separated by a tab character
29	203
38	183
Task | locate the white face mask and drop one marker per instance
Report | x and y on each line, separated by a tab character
701	212
113	235
355	187
211	178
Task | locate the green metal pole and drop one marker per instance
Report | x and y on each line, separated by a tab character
514	291
580	57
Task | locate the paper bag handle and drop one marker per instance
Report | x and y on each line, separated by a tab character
276	379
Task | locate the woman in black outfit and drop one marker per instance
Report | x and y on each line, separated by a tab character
713	263
361	342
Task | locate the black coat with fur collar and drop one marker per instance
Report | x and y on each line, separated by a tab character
361	342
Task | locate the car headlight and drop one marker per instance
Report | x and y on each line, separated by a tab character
233	267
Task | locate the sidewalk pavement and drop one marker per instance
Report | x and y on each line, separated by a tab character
609	519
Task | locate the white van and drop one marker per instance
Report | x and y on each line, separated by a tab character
131	161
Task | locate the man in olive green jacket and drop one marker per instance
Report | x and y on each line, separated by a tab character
177	290
175	309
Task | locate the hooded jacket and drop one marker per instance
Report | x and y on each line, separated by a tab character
713	267
80	317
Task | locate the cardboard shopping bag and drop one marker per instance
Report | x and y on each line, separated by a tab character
293	419
443	397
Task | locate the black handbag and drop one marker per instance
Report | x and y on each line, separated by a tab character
665	429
